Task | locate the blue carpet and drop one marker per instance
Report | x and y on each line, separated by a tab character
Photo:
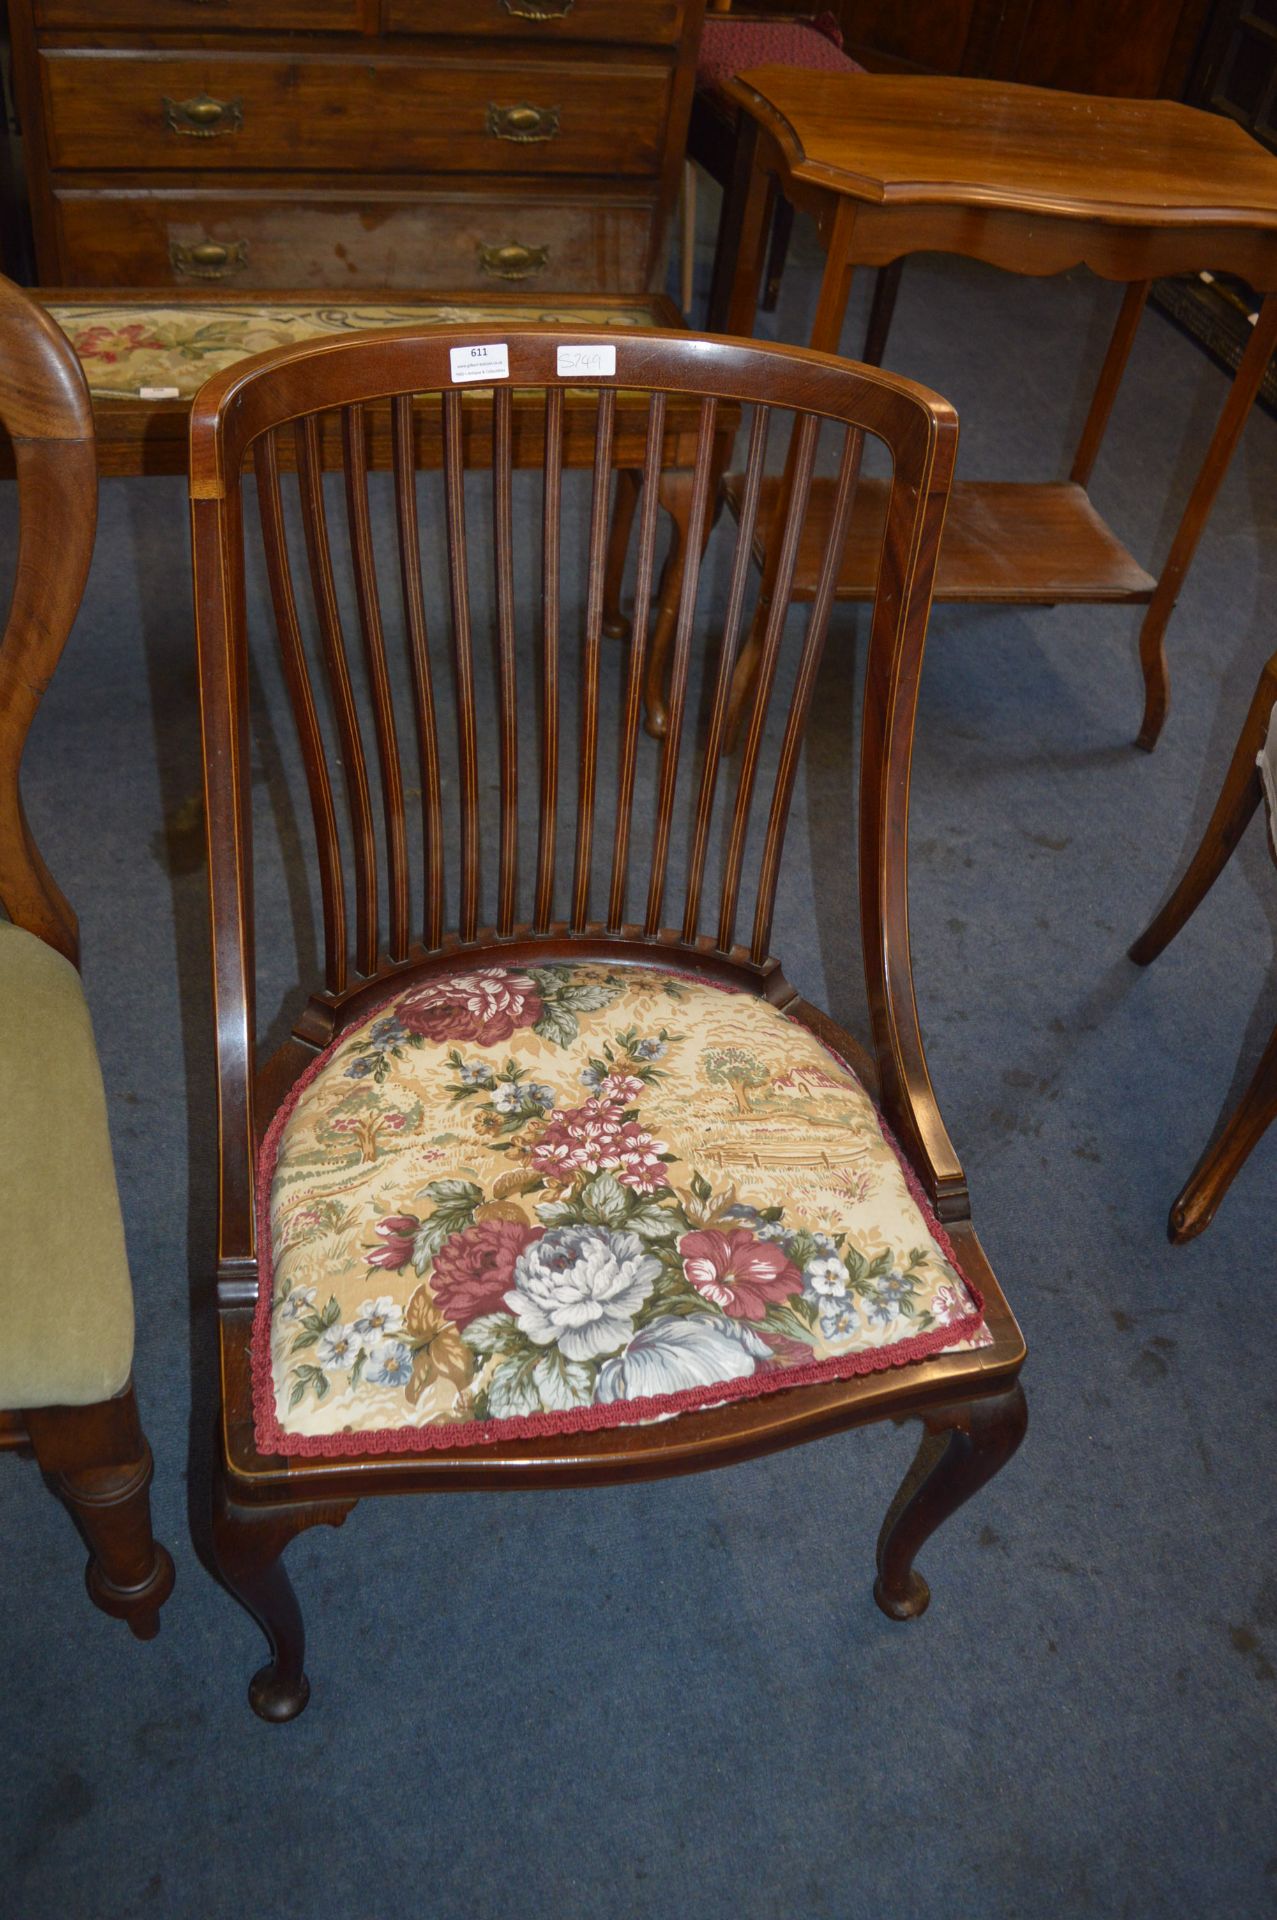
680	1698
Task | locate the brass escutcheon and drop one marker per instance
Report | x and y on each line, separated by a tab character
523	122
539	9
202	117
208	259
513	261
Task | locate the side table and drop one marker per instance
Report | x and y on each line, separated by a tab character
1032	181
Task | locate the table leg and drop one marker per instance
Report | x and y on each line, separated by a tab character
1119	352
740	250
831	310
1246	384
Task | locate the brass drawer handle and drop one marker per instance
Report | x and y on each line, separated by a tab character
209	259
513	262
202	117
539	9
523	122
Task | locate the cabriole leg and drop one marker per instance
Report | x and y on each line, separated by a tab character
248	1542
963	1446
1224	1159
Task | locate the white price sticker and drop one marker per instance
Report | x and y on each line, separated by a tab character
481	363
584	363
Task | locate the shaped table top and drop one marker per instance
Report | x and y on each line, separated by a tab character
900	140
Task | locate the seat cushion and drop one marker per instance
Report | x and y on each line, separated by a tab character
153	348
534	1200
729	47
66	1303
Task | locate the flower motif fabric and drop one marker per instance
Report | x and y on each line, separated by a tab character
737	1272
579	1289
579	1195
474	1269
486	1006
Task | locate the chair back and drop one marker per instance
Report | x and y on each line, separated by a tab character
546	819
45	409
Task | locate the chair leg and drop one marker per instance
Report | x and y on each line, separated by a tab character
628	482
882	308
1224	1159
962	1447
248	1542
676	498
1239	796
100	1464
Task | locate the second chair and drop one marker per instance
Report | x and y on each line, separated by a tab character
559	1181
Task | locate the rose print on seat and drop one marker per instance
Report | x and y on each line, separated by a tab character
474	1270
484	1006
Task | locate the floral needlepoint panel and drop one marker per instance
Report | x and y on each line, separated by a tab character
531	1200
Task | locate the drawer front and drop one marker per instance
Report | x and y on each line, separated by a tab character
201	16
461	243
325	113
642	22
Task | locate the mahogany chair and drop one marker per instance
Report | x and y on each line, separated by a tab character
1251	780
65	1292
618	1198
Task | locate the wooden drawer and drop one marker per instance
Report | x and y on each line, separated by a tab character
642	22
322	238
202	16
223	111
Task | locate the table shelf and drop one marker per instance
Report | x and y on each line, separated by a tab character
1018	543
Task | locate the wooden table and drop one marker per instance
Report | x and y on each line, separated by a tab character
1032	181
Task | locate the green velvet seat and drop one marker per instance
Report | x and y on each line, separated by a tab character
65	1298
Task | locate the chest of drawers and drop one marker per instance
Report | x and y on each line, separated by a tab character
336	144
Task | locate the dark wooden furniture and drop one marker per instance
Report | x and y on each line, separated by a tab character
354	143
1031	181
1137	47
753	39
95	1455
1240	798
969	1402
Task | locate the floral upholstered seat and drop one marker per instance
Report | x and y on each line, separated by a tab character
155	348
537	1199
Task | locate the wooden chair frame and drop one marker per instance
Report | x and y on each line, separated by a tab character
1240	798
970	1403
96	1457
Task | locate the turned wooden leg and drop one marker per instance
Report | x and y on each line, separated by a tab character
247	1544
628	481
881	310
1239	796
1224	1159
100	1464
1246	384
963	1446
